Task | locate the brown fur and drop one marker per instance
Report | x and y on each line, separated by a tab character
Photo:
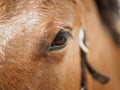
104	54
27	27
109	11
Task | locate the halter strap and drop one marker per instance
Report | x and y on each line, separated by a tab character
85	64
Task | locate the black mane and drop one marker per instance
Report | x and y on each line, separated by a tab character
109	13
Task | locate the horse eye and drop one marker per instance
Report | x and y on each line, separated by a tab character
60	41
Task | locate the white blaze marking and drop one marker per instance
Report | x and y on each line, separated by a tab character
15	27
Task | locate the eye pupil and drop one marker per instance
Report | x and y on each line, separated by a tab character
60	39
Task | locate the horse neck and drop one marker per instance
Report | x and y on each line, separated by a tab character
104	55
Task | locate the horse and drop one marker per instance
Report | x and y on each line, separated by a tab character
39	45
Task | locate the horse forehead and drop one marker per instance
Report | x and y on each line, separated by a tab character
28	18
15	27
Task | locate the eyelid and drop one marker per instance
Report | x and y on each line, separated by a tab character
51	34
68	30
69	34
